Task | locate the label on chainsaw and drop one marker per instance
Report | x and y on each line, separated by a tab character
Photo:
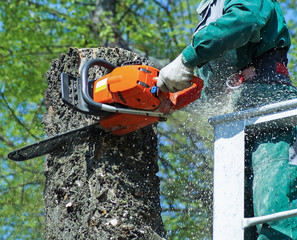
101	85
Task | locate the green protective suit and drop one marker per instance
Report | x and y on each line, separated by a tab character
230	42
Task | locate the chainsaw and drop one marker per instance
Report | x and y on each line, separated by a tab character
126	99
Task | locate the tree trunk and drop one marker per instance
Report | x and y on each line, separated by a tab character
104	15
104	186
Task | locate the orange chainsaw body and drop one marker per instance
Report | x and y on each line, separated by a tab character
135	87
129	85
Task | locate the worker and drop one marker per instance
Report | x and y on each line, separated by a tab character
240	48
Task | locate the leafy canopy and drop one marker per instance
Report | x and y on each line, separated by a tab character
33	33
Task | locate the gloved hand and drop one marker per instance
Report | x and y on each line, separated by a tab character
175	76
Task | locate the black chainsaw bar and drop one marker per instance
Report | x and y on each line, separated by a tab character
49	145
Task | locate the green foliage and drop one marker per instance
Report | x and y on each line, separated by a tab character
33	33
289	7
21	201
22	80
186	176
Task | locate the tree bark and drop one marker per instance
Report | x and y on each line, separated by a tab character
104	186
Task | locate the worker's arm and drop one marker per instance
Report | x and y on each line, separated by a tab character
248	26
241	22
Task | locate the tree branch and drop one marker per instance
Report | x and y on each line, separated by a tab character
15	116
171	24
23	185
127	11
6	141
49	10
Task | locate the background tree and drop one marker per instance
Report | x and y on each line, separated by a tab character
33	33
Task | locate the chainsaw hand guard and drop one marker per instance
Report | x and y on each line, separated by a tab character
80	98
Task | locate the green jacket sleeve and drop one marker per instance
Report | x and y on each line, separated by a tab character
241	22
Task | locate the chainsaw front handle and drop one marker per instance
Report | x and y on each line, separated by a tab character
84	80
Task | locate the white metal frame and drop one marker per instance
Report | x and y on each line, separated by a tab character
229	146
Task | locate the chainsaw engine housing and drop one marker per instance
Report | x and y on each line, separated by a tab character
132	85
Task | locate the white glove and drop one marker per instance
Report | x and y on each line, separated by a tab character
175	76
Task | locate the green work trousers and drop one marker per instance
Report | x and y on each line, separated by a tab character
270	175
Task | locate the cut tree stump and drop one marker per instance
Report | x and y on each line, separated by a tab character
102	186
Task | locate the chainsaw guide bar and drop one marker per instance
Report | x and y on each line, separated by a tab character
51	144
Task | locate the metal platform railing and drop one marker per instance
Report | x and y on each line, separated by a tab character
229	147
